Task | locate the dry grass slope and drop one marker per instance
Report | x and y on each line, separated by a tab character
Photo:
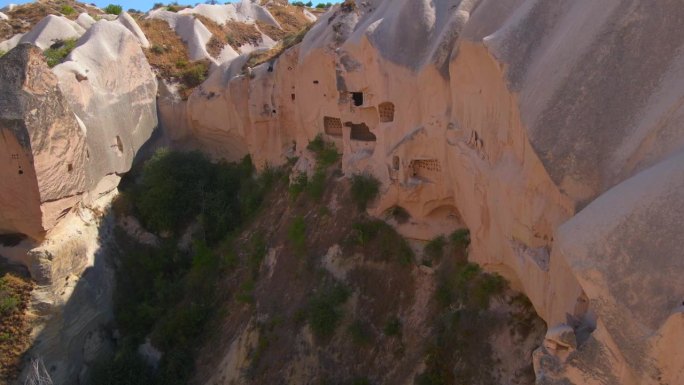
233	33
15	293
26	16
168	55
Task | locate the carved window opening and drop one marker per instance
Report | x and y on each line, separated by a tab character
119	145
332	126
357	97
315	82
361	132
293	96
395	163
70	167
386	111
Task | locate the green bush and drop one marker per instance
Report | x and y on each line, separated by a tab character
435	248
297	235
127	368
175	188
315	188
365	189
360	333
324	313
157	49
257	253
113	9
392	246
246	292
195	74
298	186
2	53
67	10
326	152
392	327
460	238
8	303
398	213
366	231
58	51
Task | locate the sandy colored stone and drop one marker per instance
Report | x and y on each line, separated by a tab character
42	143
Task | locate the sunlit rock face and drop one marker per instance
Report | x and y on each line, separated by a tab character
43	147
513	118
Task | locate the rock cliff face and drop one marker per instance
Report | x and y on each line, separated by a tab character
66	135
552	130
511	118
69	130
43	145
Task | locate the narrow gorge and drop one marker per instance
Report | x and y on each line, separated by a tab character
369	192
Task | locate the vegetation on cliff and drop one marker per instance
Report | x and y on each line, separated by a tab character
261	269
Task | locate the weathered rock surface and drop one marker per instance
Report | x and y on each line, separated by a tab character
508	117
44	147
52	29
112	89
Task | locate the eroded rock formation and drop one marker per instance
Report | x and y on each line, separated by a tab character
509	118
43	146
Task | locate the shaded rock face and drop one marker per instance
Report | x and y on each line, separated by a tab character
512	117
42	146
112	90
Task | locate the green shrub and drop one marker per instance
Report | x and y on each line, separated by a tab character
8	303
246	292
324	313
2	53
298	186
435	248
365	189
487	287
113	9
67	10
398	213
392	327
175	188
315	188
257	253
297	235
157	49
460	238
58	51
361	380
392	246
326	152
360	333
366	231
127	368
195	74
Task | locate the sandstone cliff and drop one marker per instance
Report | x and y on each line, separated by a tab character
552	130
507	117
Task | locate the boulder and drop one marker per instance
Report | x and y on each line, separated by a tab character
127	21
52	29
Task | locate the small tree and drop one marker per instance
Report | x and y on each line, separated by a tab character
113	9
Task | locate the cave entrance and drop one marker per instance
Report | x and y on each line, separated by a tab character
361	132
